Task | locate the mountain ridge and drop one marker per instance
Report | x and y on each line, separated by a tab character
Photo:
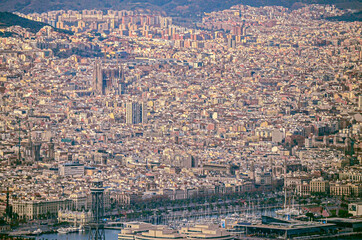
8	19
181	8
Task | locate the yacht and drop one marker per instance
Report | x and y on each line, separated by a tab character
63	230
288	212
285	212
37	232
70	230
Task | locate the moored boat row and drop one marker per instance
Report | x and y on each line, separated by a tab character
70	230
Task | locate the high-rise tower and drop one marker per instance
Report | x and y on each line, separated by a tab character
136	113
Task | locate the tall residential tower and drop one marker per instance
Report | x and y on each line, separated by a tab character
136	112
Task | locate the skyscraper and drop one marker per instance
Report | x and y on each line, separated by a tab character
136	113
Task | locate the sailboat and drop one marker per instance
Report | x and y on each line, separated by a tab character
287	211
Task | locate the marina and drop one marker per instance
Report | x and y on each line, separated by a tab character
110	234
254	225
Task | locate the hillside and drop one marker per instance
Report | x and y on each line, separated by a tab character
182	8
8	19
350	17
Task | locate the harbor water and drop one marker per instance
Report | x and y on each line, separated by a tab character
110	235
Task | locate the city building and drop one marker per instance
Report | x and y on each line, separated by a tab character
74	169
107	79
74	218
136	112
37	209
355	209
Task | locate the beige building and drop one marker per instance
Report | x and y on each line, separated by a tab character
351	175
319	186
345	189
37	209
264	132
80	201
71	169
74	217
304	189
355	209
206	232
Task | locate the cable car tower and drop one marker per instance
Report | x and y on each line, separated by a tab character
96	225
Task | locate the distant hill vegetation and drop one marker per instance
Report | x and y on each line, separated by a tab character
351	17
9	19
182	8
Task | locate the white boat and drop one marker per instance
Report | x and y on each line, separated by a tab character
37	232
63	230
288	212
71	230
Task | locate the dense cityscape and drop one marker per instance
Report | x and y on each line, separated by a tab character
246	124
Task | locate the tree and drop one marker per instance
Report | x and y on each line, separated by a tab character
343	213
310	216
